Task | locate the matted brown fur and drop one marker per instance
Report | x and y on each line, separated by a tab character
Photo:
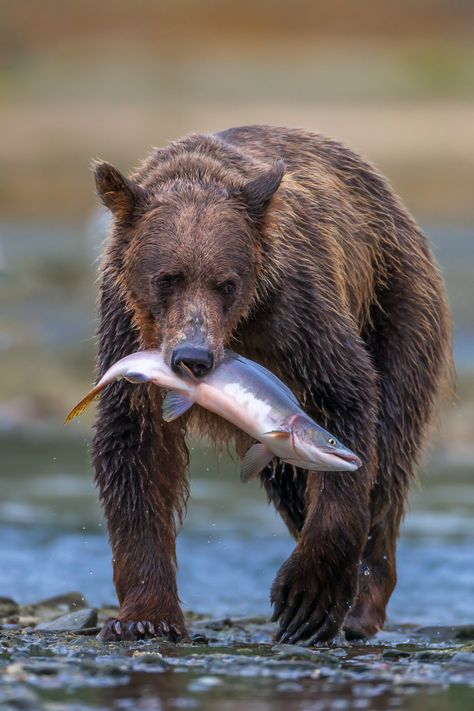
292	250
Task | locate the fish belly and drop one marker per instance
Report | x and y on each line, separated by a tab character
238	406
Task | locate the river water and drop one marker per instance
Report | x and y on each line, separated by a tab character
53	536
53	540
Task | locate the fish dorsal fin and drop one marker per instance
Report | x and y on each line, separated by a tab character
256	459
175	405
277	434
264	372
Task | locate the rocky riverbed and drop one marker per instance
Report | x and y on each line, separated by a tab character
50	659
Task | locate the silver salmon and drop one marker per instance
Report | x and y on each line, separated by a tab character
247	395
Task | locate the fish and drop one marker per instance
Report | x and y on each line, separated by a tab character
249	396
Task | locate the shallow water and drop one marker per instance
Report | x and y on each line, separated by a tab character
53	539
235	666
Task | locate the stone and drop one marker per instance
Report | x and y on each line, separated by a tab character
441	633
396	654
72	622
52	606
148	657
463	658
8	607
67	601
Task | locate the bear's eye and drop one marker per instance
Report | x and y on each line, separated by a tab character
227	287
167	282
332	441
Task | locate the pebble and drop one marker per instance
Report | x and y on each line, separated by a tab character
199	639
148	657
203	683
294	651
396	654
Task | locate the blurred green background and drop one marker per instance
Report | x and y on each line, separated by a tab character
111	79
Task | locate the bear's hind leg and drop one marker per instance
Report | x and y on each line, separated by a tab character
377	579
410	347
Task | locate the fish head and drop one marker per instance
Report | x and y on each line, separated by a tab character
322	450
193	251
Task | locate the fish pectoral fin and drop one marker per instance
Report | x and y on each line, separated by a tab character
255	459
277	434
174	405
137	377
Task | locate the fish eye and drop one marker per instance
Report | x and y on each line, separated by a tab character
332	441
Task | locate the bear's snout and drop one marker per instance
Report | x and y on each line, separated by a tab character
198	359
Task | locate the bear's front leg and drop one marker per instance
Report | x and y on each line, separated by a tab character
316	587
140	471
145	579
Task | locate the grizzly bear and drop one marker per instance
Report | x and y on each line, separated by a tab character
292	250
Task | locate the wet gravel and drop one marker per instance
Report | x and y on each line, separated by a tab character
228	663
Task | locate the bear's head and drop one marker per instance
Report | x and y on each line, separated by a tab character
188	255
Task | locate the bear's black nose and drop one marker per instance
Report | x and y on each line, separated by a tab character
197	358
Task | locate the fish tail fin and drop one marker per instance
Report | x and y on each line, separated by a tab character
84	403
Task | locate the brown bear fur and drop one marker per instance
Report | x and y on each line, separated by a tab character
290	249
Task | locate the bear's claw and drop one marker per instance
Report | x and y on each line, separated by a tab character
116	630
308	610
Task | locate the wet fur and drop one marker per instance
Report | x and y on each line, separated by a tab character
338	295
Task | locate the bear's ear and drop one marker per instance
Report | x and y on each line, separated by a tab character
120	195
258	192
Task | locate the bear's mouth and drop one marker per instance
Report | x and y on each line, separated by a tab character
199	360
